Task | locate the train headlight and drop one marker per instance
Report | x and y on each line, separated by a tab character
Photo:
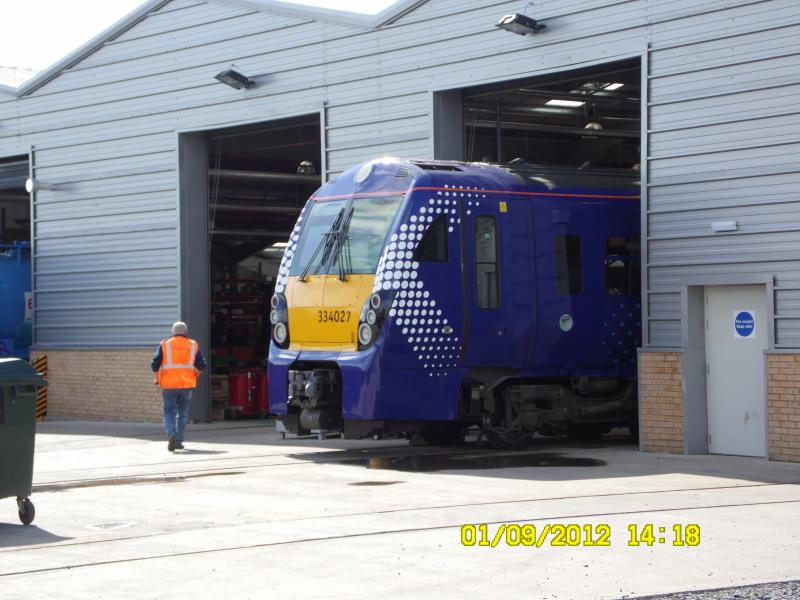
279	318
280	333
364	334
374	313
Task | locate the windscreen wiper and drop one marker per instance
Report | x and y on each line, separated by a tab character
343	242
327	242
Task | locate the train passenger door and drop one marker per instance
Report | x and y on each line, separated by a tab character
495	273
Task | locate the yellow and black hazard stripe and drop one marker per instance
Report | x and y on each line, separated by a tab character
40	364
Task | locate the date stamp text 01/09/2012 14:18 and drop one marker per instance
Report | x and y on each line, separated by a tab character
574	535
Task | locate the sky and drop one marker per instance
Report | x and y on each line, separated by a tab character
37	33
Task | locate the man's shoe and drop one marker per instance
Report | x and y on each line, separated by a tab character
171	443
179	446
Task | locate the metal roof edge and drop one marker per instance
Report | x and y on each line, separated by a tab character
89	47
385	17
397	10
7	89
303	11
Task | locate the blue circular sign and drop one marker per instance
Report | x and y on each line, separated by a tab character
744	323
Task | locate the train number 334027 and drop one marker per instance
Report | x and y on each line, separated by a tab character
333	316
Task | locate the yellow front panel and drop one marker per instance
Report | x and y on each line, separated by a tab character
324	311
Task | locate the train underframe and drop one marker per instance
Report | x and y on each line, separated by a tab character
507	408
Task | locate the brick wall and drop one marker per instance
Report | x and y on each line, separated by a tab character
783	406
101	385
661	401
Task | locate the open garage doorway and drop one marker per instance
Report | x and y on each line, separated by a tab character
15	258
588	118
259	178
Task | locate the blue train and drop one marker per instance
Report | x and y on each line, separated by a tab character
424	297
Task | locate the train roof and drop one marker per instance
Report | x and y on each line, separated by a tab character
536	174
396	174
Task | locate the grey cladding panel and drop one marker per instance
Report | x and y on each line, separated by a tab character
665	279
117	206
106	191
660	10
737	248
108	242
728	136
94	224
665	333
110	334
726	80
168	23
740	19
141	279
725	52
121	166
107	150
731	193
751	219
787	302
731	164
393	132
58	302
788	333
343	160
731	109
666	305
104	317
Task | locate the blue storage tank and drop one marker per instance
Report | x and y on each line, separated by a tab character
15	280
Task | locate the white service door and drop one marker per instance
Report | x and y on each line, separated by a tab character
736	337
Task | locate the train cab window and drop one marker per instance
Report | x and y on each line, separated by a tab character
569	267
622	264
486	272
433	245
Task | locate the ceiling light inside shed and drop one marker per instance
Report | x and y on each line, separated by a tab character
569	103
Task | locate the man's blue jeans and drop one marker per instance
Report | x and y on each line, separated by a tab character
176	412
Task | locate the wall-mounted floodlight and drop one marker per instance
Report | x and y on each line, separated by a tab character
721	226
235	79
34	185
519	24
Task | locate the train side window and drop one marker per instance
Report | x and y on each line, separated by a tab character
622	265
569	267
486	272
433	245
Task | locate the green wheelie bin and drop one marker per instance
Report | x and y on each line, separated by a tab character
19	383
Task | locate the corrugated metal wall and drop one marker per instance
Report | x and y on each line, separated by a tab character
723	145
720	145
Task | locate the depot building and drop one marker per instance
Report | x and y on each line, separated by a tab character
169	157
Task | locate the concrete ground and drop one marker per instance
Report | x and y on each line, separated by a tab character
244	514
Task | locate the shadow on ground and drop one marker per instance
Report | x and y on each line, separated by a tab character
18	535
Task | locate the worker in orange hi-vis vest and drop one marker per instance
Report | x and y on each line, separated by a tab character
177	363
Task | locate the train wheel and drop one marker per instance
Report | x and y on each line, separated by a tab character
445	435
516	440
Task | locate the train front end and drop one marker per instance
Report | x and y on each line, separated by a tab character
326	313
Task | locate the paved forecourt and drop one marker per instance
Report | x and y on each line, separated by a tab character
244	513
